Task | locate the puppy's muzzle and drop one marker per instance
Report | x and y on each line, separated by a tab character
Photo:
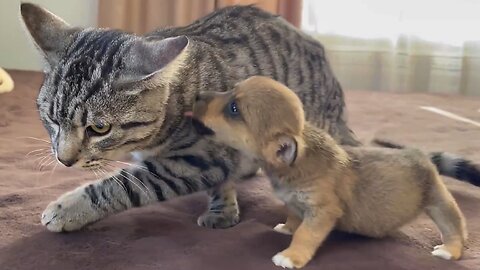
203	99
204	96
201	103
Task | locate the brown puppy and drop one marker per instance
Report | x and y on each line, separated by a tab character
369	191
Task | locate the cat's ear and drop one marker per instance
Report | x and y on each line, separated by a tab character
281	151
50	33
147	59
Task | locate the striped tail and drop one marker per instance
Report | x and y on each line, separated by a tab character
447	164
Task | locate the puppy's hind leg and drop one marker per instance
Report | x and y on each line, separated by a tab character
444	211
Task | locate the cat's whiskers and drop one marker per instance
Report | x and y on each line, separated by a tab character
41	150
130	164
143	184
143	168
40	154
133	165
97	177
44	162
39	160
52	171
47	164
34	138
115	178
37	157
126	175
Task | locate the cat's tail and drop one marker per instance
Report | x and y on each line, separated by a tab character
447	164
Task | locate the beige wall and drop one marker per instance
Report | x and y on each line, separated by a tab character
16	50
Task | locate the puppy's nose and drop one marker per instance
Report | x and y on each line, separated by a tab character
67	162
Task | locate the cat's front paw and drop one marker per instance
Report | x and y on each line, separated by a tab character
70	212
218	220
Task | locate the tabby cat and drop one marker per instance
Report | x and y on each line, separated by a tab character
108	93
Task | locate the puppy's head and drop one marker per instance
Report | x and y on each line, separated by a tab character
259	116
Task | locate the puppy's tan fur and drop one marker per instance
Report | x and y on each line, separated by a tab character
369	191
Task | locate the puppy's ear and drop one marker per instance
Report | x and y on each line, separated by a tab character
281	151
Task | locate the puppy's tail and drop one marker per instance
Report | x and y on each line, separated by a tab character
447	164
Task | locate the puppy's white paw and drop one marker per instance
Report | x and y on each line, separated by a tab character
282	261
441	252
70	212
281	228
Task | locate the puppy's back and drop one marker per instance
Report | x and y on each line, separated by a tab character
390	189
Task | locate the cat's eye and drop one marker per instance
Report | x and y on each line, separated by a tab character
99	129
233	108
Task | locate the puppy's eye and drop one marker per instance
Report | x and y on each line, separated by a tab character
99	129
233	108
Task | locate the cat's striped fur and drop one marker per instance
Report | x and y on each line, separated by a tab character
142	86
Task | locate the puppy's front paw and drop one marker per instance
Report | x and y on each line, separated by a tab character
444	252
282	261
70	212
282	228
290	258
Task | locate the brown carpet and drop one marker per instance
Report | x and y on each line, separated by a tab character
165	236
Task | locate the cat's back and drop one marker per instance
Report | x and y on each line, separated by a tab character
246	41
226	22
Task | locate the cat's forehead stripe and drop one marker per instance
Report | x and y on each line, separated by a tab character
89	66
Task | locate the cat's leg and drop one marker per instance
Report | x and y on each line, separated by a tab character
157	179
127	189
91	202
94	201
223	210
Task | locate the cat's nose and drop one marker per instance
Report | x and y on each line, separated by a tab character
67	162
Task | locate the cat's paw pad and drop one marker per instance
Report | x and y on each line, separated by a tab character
218	220
281	228
70	212
282	261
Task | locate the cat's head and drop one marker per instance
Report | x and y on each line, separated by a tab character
105	92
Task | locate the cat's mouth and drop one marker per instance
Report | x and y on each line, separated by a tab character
105	164
93	164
